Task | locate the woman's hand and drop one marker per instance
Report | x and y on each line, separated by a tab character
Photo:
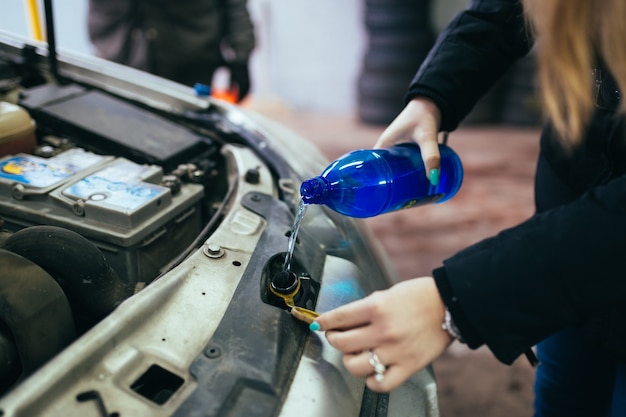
418	122
401	325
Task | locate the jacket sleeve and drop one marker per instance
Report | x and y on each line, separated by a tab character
109	26
238	37
562	267
470	55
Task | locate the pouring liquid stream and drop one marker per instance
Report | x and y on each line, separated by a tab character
301	313
294	235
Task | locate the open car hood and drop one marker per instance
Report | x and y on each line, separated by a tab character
142	228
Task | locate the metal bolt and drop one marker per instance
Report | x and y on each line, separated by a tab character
213	250
78	208
196	175
18	191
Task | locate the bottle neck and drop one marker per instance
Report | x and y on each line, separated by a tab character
314	190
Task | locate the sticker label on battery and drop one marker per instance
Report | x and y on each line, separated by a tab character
117	187
44	172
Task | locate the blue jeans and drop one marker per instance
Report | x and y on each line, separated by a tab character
575	378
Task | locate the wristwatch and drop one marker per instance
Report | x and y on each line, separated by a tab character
449	326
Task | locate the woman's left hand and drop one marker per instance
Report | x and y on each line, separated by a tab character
401	325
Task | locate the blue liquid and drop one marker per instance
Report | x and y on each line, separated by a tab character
369	182
294	236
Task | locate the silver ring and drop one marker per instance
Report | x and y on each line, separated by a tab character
379	368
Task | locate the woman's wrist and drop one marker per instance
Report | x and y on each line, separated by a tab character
425	105
449	326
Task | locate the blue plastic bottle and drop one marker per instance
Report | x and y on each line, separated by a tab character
369	182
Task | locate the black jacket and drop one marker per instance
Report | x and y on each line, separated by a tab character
182	40
562	267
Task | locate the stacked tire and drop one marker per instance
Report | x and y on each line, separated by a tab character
400	36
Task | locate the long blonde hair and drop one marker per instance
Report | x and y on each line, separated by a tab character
570	34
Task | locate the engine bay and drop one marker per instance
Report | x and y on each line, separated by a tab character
99	194
143	232
140	206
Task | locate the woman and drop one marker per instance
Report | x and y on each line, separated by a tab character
556	280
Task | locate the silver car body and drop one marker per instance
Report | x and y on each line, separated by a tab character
196	329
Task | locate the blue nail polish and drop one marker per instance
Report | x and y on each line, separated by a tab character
314	326
434	176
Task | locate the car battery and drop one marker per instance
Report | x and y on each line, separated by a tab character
119	205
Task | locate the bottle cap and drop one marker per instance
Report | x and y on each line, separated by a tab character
202	90
314	190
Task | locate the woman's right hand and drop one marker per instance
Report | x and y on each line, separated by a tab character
418	122
402	325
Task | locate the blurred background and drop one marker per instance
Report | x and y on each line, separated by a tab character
349	56
336	72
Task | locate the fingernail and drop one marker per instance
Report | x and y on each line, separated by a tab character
315	326
434	176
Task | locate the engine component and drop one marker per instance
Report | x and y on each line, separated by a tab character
80	268
117	204
35	311
108	125
18	129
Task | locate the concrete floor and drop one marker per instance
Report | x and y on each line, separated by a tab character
497	193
